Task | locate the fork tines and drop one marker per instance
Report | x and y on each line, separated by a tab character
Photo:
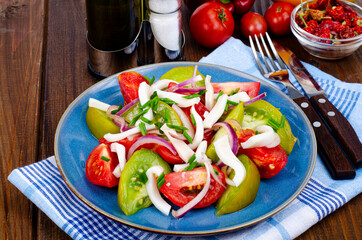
266	50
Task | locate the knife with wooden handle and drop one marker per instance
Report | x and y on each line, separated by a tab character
338	124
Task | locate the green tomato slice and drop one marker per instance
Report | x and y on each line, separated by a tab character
236	198
259	113
132	192
99	123
159	114
236	113
180	74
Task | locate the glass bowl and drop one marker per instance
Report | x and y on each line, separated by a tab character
326	48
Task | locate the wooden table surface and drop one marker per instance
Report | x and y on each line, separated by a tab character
43	68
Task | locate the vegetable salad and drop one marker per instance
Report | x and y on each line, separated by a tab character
182	143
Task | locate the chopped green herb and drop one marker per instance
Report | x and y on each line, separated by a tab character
282	121
226	107
167	101
187	136
154	94
234	92
167	115
160	177
148	121
117	110
143	128
193	119
134	120
155	104
216	171
192	158
176	127
192	166
256	132
161	183
199	94
105	159
143	177
274	124
232	102
150	81
220	93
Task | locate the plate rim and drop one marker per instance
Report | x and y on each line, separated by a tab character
188	233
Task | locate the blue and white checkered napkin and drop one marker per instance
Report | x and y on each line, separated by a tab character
42	183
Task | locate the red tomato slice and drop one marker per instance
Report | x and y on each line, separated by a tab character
129	83
168	156
181	187
125	142
251	88
199	108
100	165
270	161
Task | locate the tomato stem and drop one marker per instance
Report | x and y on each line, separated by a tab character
221	15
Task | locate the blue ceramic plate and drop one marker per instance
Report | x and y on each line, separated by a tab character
73	143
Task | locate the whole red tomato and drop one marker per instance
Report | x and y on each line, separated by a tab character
252	24
242	6
278	18
211	24
193	4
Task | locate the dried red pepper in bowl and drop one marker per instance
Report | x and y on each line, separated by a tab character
328	29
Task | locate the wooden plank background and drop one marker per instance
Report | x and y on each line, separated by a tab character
43	68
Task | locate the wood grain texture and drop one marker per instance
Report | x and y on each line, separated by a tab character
21	44
44	61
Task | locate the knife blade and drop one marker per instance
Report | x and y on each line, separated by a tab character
337	123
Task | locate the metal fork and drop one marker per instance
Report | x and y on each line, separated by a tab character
329	150
279	73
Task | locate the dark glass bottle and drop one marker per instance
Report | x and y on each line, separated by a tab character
113	24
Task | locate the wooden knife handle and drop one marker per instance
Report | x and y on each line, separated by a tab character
340	128
336	162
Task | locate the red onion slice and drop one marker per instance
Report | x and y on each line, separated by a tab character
185	120
260	96
128	106
194	74
185	209
189	90
216	112
150	139
233	138
223	151
118	120
183	150
184	83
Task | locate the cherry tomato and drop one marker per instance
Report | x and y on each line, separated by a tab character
252	24
181	187
129	83
278	18
242	6
211	24
251	88
100	165
270	161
